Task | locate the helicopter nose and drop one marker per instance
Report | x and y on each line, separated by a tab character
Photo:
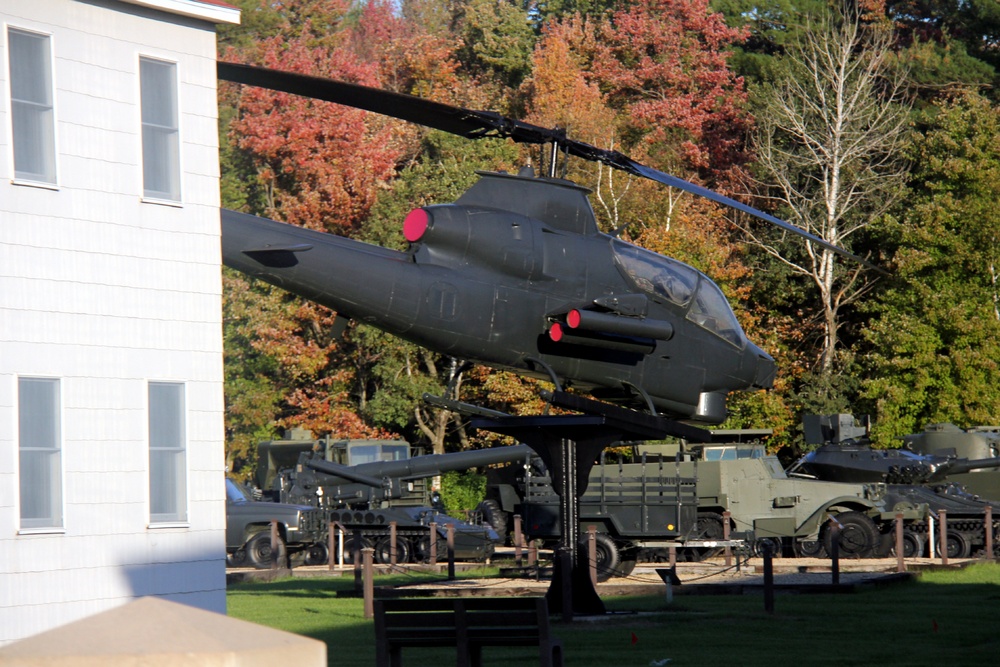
766	368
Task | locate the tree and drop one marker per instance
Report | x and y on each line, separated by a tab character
664	63
935	336
828	145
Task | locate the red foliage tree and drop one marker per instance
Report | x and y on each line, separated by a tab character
665	63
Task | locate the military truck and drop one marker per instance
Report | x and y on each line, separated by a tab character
365	486
301	529
700	482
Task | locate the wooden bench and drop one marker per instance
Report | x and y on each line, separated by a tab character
468	624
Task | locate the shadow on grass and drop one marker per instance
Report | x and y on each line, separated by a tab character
942	618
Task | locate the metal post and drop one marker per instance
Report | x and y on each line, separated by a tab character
331	544
931	542
592	553
433	556
900	563
835	551
392	543
532	554
451	551
356	559
369	592
274	544
565	562
988	526
672	549
725	536
518	538
768	578
943	536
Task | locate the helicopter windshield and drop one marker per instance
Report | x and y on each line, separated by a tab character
655	274
667	278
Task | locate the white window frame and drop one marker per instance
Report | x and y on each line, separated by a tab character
55	521
48	180
173	446
169	132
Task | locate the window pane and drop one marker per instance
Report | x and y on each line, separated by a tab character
160	136
39	460
31	106
167	452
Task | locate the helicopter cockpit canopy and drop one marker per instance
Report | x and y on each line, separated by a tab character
663	278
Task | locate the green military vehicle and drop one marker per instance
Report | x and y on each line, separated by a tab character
976	443
734	474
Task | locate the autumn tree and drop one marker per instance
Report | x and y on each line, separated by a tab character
935	337
828	147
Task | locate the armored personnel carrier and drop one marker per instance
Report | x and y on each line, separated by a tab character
909	478
365	486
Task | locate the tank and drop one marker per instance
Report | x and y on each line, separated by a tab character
978	442
366	486
909	478
734	474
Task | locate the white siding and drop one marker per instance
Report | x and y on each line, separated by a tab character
107	292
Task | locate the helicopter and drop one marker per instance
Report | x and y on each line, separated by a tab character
516	275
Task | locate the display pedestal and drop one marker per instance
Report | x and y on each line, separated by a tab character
569	445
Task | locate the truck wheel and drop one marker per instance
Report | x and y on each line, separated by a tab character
708	526
957	545
858	537
913	544
351	544
422	549
259	550
317	554
383	547
809	549
494	517
608	559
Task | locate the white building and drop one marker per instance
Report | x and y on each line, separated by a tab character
111	405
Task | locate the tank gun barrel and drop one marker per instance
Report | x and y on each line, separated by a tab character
959	466
377	473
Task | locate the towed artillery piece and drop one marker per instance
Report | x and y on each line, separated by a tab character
909	478
367	486
699	483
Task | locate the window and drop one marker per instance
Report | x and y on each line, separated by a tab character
32	115
161	174
167	453
39	452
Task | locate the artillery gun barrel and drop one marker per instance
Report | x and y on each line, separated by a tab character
419	466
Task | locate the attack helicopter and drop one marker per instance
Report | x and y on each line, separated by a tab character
516	275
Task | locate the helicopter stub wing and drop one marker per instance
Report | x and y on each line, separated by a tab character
473	124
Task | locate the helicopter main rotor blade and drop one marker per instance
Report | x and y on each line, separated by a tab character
474	124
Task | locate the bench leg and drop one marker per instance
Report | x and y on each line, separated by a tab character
476	656
551	654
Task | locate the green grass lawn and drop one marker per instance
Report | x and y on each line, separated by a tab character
945	619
